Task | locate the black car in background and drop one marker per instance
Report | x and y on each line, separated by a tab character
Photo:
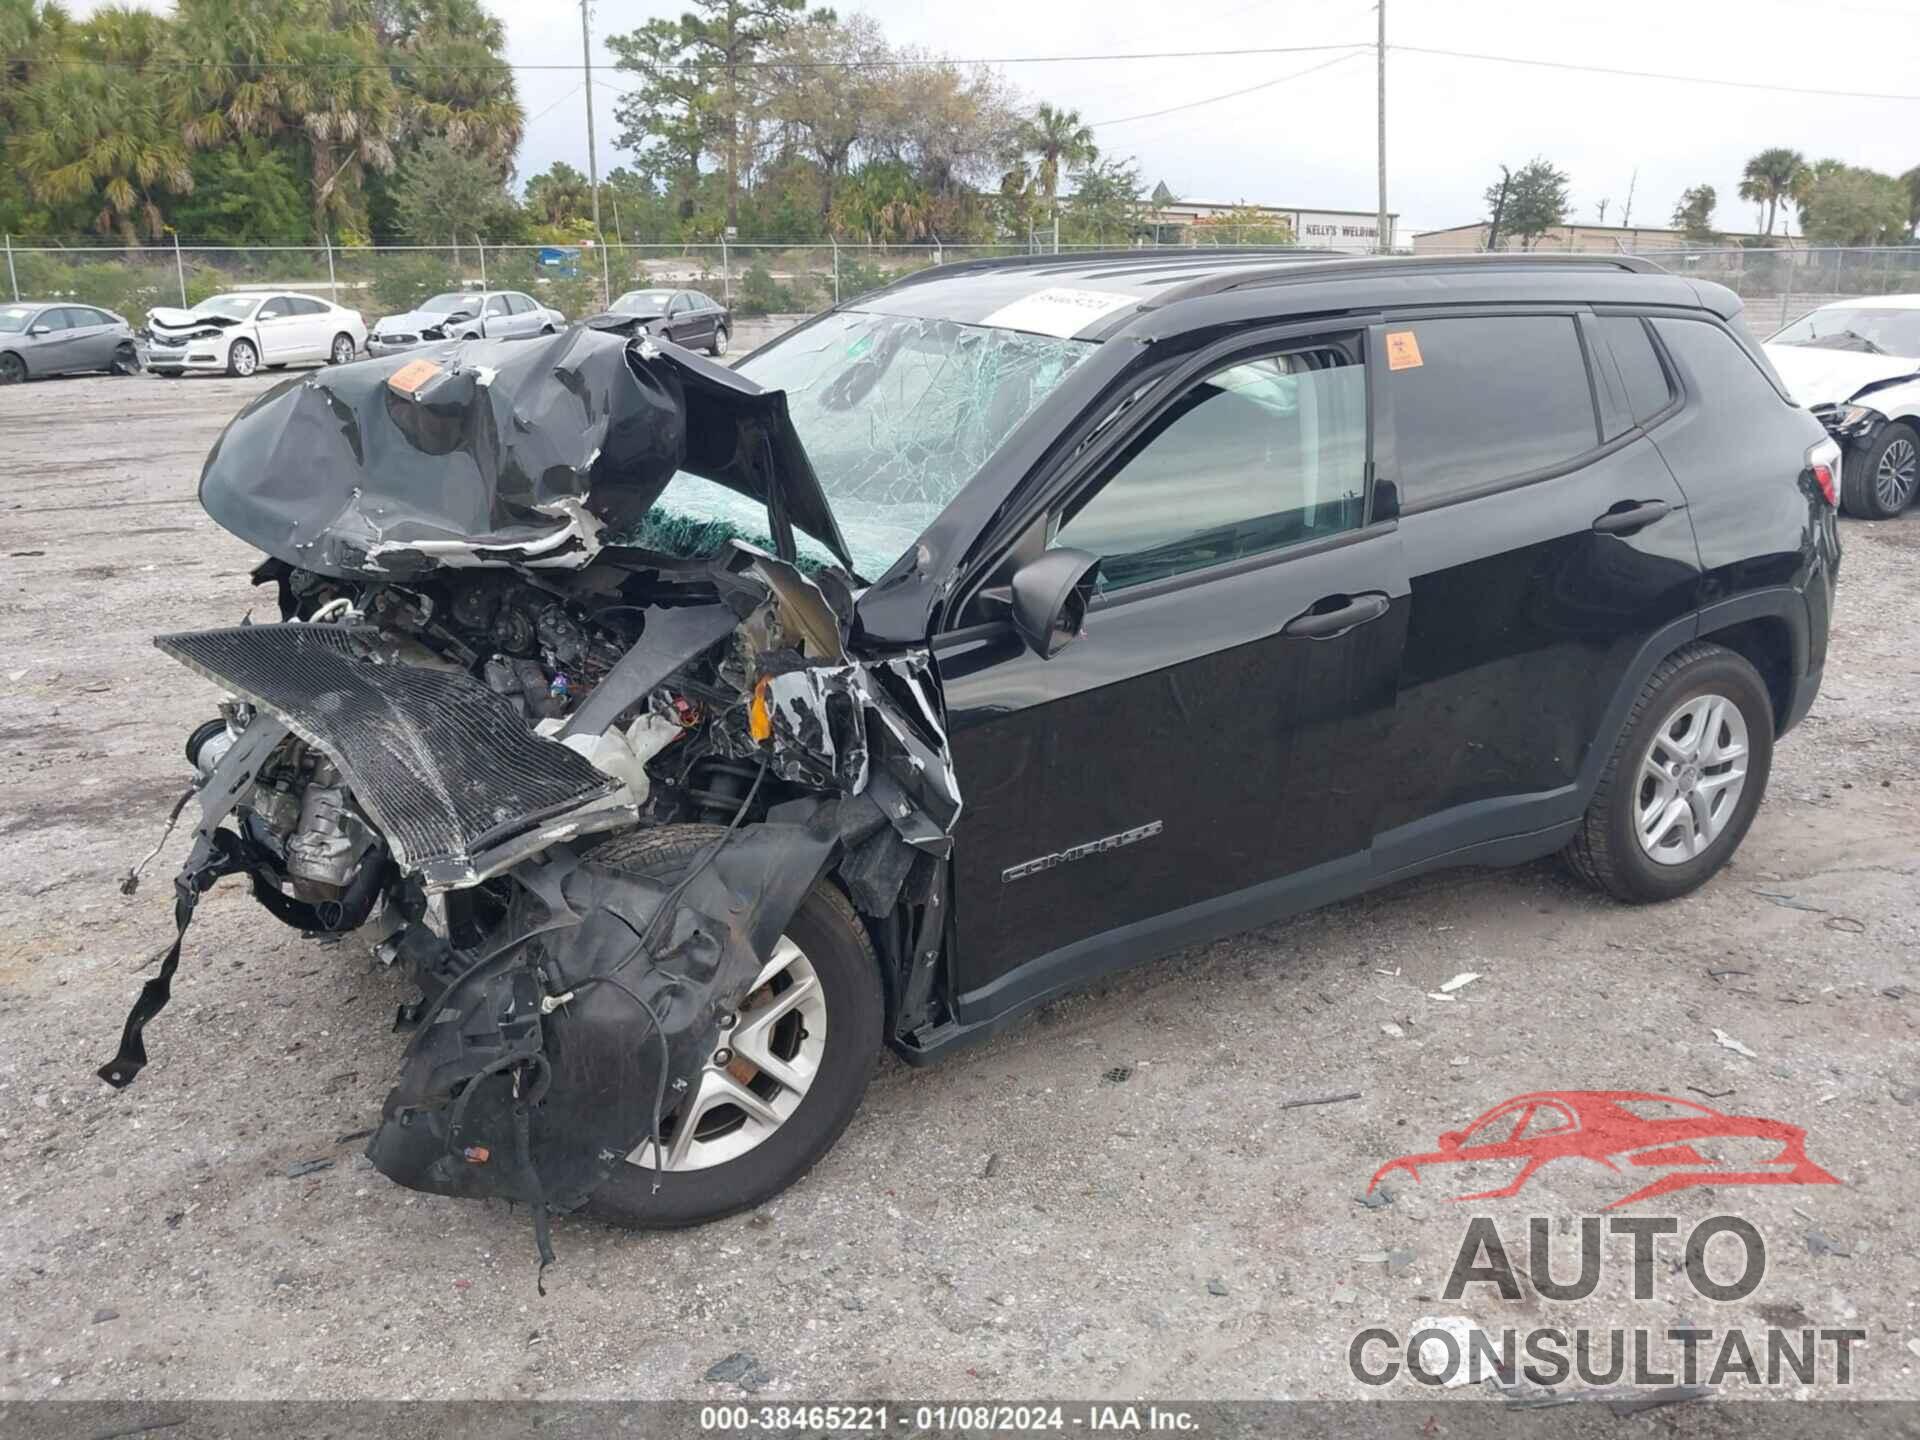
687	317
704	730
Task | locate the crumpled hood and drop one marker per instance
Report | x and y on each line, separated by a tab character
1815	376
497	452
412	322
165	317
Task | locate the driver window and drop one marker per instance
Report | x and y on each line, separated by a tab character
54	320
1261	454
497	305
677	305
273	310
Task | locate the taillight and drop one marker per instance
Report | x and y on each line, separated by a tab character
1823	460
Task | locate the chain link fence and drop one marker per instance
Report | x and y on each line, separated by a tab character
776	281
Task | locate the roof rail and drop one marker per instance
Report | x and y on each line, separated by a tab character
1321	269
1082	259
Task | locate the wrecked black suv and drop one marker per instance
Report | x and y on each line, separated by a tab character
687	735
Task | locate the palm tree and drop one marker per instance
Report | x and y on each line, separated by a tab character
446	60
1770	177
95	134
1057	143
559	195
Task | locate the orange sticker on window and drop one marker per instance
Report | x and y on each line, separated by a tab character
411	376
1403	351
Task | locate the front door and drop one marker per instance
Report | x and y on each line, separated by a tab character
282	333
54	337
1205	755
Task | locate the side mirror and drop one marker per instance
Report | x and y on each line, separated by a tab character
1049	599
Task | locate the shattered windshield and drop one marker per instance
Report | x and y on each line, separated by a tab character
897	414
233	307
1868	329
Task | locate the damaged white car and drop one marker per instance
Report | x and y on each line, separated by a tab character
1856	365
237	333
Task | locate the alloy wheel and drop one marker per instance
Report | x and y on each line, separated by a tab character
244	361
1895	476
342	350
720	341
767	1059
1690	779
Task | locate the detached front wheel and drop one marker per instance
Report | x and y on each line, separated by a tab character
1684	779
786	1074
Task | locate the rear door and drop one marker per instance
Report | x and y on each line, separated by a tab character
318	326
1210	745
1546	541
95	336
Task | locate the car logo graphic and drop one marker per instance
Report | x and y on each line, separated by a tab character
1624	1130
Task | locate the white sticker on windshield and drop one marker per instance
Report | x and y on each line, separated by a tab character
1062	311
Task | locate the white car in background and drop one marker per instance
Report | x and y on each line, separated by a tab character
237	333
1856	365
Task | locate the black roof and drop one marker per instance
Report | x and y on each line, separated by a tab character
1093	296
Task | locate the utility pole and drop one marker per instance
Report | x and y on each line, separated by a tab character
1626	215
1384	240
1499	210
593	153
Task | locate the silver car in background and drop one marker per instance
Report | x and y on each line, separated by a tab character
48	337
465	315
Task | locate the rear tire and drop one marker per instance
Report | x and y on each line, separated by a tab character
1878	483
835	943
719	346
343	350
1608	850
126	361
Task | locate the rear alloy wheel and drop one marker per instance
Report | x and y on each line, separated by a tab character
242	358
719	346
343	348
1684	780
1878	482
12	369
787	1070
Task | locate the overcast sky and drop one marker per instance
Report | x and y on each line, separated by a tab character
1451	123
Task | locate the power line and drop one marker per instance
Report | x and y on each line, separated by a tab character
1233	94
920	62
1648	74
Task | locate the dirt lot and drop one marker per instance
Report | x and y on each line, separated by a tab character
1110	1199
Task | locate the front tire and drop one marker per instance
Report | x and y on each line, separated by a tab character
242	359
1878	482
1684	781
13	370
708	1178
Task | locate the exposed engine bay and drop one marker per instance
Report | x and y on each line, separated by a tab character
433	744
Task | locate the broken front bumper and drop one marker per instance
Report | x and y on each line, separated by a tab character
458	785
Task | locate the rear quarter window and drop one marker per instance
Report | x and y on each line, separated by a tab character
1485	399
1632	372
1717	363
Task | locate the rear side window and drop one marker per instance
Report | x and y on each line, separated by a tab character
1484	398
1631	373
1715	360
1259	455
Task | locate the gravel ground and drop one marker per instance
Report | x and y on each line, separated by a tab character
1110	1199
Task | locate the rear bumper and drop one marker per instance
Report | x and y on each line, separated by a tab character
380	345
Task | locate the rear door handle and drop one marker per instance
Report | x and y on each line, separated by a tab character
1630	515
1319	624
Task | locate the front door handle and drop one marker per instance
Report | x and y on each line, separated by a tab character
1630	515
1335	615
